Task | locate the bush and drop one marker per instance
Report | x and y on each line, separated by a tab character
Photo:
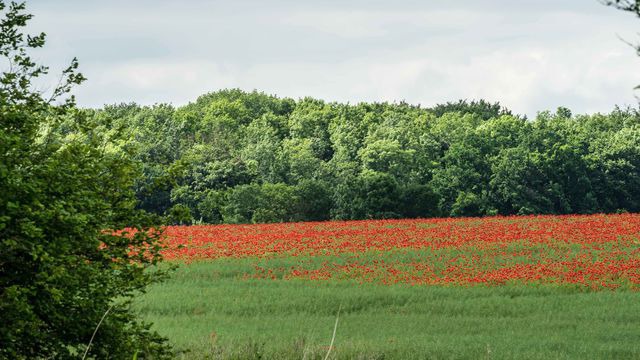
66	192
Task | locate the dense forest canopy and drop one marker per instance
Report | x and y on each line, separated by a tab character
238	157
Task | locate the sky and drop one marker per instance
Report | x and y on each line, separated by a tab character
530	55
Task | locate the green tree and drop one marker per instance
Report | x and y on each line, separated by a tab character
517	184
462	174
615	164
301	161
66	189
370	195
262	144
482	108
386	156
310	120
314	200
254	203
418	201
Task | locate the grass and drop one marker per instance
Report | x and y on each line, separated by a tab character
209	311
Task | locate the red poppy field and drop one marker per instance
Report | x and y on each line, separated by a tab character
536	287
590	251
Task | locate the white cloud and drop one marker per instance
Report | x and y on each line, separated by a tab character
367	23
153	81
529	58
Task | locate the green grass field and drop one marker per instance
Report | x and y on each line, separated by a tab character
208	312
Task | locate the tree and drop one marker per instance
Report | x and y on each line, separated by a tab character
67	196
256	203
418	201
370	195
482	108
386	156
314	200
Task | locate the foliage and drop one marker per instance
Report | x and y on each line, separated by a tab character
221	156
260	203
66	181
482	108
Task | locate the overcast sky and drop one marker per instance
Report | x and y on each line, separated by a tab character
530	55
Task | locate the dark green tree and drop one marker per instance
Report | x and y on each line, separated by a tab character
314	200
418	201
256	203
66	191
482	108
370	195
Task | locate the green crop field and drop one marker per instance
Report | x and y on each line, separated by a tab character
208	311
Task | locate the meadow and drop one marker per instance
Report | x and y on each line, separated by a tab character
497	287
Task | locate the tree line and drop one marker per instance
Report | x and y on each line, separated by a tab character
247	157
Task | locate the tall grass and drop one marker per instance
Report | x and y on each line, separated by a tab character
207	310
